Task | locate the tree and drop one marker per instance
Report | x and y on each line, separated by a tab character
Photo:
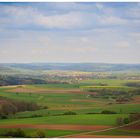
120	111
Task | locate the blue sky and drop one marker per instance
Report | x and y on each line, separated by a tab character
70	32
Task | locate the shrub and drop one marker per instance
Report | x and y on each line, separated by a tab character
69	113
92	113
132	84
126	120
45	107
36	115
18	133
108	112
4	117
40	134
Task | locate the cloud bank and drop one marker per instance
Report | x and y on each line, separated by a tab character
70	32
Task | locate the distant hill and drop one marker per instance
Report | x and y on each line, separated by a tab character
89	67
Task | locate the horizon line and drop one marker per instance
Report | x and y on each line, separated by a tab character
67	63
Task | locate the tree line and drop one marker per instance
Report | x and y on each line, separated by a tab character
11	107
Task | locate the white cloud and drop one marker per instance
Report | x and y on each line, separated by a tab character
70	20
133	12
112	20
135	35
99	6
60	21
93	34
123	44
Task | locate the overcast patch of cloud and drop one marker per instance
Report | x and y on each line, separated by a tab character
70	32
23	17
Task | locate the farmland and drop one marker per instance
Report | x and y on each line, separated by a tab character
54	103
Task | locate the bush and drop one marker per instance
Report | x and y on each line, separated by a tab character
126	120
69	113
44	107
108	112
4	117
92	113
121	121
36	115
40	134
132	84
18	133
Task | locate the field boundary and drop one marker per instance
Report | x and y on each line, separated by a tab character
83	133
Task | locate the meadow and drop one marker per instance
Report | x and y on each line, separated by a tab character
72	108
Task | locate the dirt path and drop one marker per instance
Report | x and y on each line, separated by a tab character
42	90
57	127
103	136
95	131
10	86
90	128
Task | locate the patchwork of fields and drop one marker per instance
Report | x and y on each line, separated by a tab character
72	109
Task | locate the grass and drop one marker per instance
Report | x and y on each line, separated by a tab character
119	108
57	86
109	88
79	103
60	103
82	104
60	99
125	108
95	119
111	82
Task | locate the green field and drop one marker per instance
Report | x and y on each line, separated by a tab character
119	132
31	133
96	119
87	108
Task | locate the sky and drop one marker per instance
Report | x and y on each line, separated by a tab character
70	32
